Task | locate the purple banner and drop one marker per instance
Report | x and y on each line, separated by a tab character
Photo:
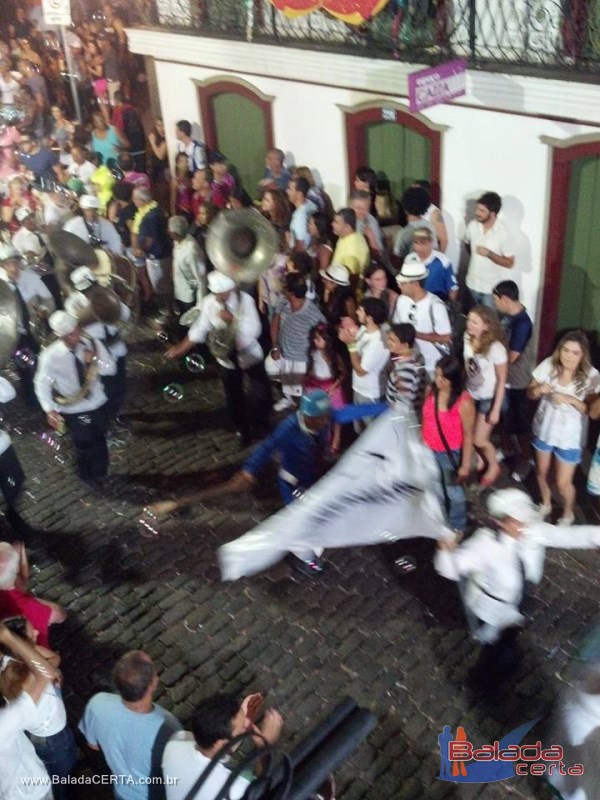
435	85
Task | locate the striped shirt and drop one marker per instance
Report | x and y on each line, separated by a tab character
294	329
407	379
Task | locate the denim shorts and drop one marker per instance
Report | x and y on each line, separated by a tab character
484	406
570	456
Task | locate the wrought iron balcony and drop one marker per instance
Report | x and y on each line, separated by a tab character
541	36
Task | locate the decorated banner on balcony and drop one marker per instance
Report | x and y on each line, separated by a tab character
354	12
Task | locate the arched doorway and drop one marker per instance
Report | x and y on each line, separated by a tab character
237	121
401	147
571	296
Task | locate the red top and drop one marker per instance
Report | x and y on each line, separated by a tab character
450	422
15	603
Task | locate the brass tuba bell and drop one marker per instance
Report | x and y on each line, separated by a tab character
9	323
242	244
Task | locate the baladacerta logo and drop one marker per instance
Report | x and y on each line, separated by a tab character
462	762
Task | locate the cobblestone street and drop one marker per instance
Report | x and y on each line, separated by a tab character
397	644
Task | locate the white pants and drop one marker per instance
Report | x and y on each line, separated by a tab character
289	372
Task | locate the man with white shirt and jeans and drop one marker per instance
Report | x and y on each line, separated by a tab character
69	388
492	253
229	322
187	755
424	310
368	354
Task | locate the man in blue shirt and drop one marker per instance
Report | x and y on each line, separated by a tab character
300	442
441	280
125	725
518	410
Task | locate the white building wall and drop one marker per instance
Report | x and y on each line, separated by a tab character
482	149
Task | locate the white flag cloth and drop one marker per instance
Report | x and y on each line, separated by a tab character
385	487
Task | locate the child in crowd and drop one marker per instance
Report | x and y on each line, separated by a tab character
326	370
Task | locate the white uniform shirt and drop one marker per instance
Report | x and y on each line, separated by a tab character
182	761
77	302
483	274
493	565
299	223
428	315
18	759
7	393
57	372
33	290
374	355
248	324
27	242
108	233
189	271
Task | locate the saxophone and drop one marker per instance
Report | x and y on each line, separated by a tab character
91	374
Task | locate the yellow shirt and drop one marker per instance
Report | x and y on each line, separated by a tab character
353	252
103	181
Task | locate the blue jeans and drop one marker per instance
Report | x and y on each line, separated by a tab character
456	501
482	299
59	754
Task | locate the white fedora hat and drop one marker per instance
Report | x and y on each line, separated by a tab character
512	503
412	270
336	273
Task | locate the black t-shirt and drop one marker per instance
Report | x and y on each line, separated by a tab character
125	215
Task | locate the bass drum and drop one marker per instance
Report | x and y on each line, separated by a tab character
123	280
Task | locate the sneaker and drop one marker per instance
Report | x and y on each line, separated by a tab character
566	521
544	510
312	567
284	404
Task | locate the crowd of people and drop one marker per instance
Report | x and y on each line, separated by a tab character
360	307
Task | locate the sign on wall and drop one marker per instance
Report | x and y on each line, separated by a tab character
56	12
429	87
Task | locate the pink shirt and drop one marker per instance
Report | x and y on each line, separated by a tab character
450	423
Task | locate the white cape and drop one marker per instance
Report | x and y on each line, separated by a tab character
385	487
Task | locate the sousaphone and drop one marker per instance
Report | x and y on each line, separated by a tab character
116	276
242	244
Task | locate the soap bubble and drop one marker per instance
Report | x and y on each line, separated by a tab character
50	440
195	363
148	524
25	358
173	393
405	564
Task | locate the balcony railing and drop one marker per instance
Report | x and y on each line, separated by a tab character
543	36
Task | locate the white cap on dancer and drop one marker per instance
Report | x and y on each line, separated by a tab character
62	323
512	503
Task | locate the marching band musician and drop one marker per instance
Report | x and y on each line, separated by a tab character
30	243
69	389
230	324
495	569
33	299
92	228
12	476
83	279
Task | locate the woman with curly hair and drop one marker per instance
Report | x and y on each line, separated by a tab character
563	384
486	362
274	205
